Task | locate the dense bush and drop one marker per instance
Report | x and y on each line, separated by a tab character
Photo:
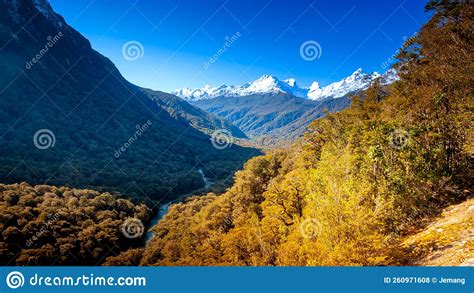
47	225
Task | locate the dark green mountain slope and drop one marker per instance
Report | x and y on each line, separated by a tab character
78	96
199	119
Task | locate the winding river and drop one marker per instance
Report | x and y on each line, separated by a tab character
164	207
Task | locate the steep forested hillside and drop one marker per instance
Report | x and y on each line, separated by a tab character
68	117
361	179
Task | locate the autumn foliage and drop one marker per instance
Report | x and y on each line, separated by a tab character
359	180
346	194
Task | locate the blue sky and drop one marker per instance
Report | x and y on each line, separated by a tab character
180	37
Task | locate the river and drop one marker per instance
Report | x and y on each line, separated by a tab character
164	207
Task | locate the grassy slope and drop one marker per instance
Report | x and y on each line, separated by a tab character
448	239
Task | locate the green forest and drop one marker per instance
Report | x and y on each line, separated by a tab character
106	133
46	225
347	194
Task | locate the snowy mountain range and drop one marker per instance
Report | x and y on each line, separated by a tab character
268	84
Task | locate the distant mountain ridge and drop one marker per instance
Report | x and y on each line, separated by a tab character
268	84
278	115
89	110
195	116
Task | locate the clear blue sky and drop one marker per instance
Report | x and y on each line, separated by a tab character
180	36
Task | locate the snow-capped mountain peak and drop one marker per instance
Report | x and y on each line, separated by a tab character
314	86
291	82
356	81
268	84
265	84
357	72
